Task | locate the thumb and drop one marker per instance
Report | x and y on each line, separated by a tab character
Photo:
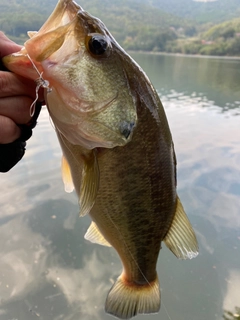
7	46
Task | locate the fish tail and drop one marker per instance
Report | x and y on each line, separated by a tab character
125	300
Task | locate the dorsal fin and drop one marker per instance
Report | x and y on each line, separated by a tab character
66	176
94	235
90	183
181	239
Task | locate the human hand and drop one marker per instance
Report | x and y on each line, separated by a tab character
16	96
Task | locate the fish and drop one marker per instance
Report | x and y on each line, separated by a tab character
118	152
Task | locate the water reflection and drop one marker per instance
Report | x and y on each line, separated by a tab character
46	274
47	269
213	80
228	315
232	295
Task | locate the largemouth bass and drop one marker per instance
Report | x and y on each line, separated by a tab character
117	149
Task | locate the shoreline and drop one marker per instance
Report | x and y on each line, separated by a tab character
22	40
185	55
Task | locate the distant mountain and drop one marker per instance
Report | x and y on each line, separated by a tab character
177	26
128	20
202	12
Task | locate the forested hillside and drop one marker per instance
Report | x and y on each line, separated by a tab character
201	12
136	26
152	25
223	39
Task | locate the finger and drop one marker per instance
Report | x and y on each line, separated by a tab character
16	108
7	46
9	131
14	85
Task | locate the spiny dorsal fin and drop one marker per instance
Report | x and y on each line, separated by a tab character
181	239
125	300
90	183
94	235
66	176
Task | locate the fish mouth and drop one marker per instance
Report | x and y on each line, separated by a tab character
52	54
69	22
64	13
59	24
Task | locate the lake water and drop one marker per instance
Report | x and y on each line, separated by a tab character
49	272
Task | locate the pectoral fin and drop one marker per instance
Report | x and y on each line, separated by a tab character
181	239
90	183
66	176
94	235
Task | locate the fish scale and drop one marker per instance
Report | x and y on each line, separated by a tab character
141	192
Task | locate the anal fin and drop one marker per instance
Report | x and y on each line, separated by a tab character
181	238
90	183
94	235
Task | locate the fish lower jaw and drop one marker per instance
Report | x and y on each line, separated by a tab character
87	141
79	137
92	144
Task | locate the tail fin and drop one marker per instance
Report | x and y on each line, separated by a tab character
126	300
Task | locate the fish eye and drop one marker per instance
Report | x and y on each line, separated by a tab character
97	45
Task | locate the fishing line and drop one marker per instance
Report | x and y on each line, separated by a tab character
129	251
121	236
40	82
165	309
168	315
51	122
